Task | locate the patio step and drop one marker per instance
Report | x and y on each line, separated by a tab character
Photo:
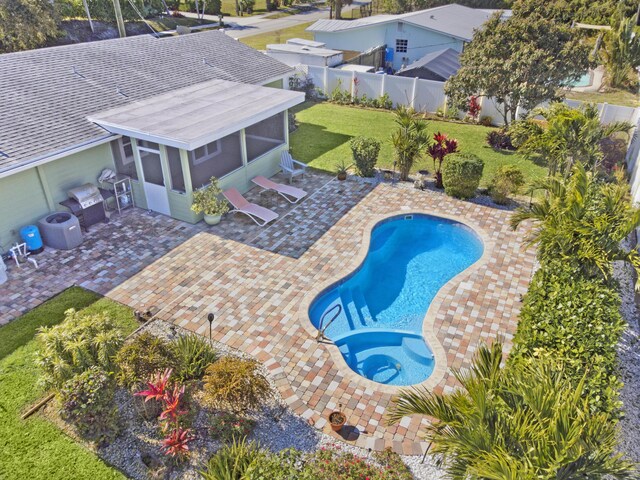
349	307
361	305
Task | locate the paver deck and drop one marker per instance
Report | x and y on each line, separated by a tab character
255	289
256	279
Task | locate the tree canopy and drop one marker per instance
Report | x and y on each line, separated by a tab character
520	61
568	11
26	24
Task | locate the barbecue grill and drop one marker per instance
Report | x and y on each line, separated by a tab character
87	203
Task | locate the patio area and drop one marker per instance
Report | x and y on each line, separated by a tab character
255	281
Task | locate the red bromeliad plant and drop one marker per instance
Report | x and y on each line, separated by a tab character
441	147
474	108
176	442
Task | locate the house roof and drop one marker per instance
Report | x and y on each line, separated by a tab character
443	63
305	42
454	20
48	93
197	115
318	52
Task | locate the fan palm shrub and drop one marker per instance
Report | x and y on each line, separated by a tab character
622	51
566	137
581	221
410	139
523	422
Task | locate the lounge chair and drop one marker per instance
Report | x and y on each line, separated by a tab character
255	212
289	193
291	167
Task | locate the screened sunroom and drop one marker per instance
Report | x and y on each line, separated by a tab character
172	144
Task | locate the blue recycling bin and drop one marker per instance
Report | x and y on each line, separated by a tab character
31	236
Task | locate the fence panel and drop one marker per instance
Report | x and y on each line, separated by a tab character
369	84
429	96
317	75
616	113
399	89
339	78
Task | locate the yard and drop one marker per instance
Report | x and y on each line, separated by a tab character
613	97
322	139
36	448
260	41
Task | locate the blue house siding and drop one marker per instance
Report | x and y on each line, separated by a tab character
420	41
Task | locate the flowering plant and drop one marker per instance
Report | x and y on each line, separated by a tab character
441	147
228	426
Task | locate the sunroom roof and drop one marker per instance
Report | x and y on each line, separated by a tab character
197	115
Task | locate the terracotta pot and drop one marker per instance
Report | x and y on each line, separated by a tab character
337	420
342	176
212	219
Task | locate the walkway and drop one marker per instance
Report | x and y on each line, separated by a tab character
257	286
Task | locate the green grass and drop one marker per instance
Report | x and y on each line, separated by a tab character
261	40
35	448
322	139
228	8
164	23
614	97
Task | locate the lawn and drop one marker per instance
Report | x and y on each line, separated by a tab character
261	40
35	448
322	139
164	23
613	97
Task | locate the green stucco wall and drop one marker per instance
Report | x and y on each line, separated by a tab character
27	196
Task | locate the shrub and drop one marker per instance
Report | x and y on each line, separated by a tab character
227	427
486	121
235	384
193	355
232	461
438	150
301	82
473	108
329	463
87	401
461	174
500	140
507	181
384	102
365	155
76	344
140	358
575	321
339	95
409	140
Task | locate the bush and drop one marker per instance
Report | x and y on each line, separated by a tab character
228	427
365	155
575	321
87	401
486	121
232	461
193	355
78	343
461	174
500	140
235	384
384	102
339	95
507	181
140	358
329	463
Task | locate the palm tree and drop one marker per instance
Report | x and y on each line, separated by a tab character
410	140
569	135
622	51
581	220
525	422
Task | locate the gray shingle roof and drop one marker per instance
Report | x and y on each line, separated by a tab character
443	63
455	20
45	104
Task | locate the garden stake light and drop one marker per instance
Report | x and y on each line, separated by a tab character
210	317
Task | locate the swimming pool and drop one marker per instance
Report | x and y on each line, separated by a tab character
584	81
380	307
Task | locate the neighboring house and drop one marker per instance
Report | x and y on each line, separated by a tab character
438	66
169	112
408	37
295	54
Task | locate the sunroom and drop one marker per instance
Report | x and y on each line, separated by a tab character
172	144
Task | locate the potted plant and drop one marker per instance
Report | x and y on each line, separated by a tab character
207	201
337	419
341	170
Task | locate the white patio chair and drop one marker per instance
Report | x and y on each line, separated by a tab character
290	167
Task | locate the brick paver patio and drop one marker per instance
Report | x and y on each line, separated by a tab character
255	281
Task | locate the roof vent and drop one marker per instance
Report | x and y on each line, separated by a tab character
120	92
75	71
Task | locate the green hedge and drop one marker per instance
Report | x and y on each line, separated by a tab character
461	174
577	322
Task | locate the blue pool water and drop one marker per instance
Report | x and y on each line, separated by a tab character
584	81
383	303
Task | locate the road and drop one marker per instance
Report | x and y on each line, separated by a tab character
240	27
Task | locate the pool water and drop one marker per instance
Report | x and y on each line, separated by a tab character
584	81
381	306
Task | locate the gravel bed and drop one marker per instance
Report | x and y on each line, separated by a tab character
629	356
277	428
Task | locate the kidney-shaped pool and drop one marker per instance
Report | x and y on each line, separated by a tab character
374	315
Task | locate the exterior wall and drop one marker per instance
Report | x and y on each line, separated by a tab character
420	40
29	195
292	59
275	84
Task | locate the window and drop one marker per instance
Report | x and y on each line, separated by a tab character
175	169
206	152
123	157
225	161
265	136
402	45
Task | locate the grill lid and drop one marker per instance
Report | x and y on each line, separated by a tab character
86	195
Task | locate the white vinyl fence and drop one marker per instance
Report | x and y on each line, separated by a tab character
429	96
